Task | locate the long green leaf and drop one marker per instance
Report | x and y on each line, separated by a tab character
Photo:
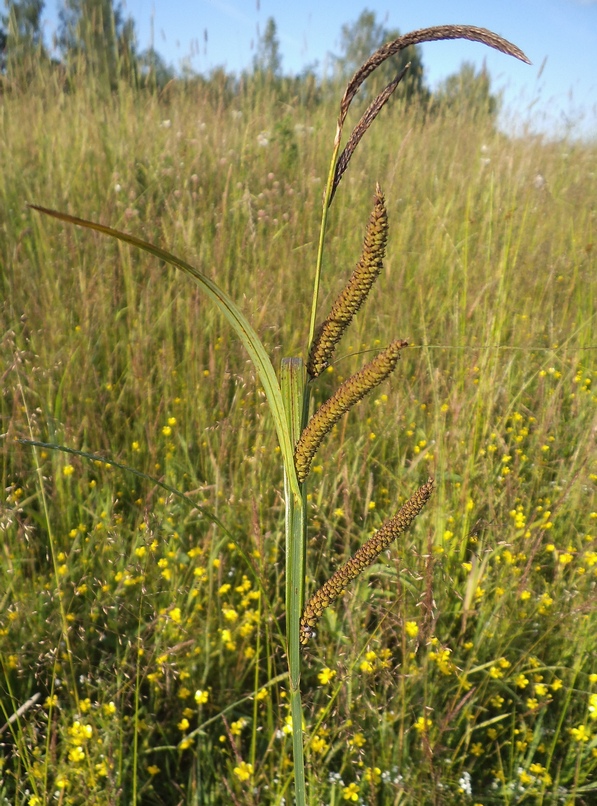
233	314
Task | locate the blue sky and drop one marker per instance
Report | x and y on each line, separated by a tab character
559	36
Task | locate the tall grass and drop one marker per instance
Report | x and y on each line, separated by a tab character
460	669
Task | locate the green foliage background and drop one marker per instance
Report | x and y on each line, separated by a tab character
135	616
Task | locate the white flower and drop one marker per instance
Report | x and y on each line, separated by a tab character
539	182
465	783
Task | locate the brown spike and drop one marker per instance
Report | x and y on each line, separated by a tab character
345	397
437	33
356	290
359	130
366	555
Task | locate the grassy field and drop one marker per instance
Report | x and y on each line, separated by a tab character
460	669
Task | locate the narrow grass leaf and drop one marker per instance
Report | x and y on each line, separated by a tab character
233	314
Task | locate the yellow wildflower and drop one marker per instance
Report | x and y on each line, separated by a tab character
326	675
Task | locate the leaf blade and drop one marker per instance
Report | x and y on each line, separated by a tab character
233	314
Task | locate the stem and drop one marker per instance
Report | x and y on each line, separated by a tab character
324	218
293	388
295	396
137	702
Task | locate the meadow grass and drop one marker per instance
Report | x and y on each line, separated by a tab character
461	668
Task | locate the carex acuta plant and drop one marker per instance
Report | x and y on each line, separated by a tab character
299	433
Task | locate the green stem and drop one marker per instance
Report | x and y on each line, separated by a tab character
295	396
324	218
293	387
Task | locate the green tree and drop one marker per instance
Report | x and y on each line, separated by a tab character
3	47
268	60
468	92
97	34
153	70
20	33
362	38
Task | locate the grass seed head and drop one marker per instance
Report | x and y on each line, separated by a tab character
345	397
365	556
359	130
356	290
434	34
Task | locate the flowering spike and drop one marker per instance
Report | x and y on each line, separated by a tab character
349	393
356	290
366	120
366	555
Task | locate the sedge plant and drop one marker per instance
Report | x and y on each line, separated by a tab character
299	432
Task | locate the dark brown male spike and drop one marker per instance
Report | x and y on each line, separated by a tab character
434	34
359	130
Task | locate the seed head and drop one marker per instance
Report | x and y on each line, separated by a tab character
356	290
366	555
349	393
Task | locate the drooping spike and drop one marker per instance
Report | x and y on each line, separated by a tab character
366	555
349	393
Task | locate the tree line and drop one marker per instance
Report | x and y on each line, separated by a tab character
96	38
